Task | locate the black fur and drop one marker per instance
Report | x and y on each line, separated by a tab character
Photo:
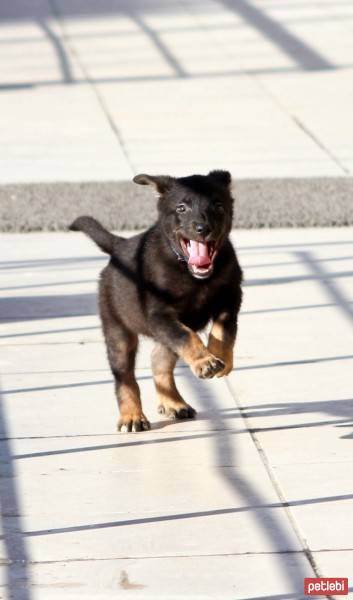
148	288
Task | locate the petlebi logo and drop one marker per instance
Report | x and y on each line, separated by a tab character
317	586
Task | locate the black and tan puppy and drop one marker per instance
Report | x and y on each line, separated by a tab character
168	283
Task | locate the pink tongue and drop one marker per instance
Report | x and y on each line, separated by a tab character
198	254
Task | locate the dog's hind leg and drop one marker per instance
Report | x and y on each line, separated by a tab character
170	402
121	350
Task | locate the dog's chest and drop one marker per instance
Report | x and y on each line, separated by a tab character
199	298
195	308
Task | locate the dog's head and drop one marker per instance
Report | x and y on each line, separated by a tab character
196	215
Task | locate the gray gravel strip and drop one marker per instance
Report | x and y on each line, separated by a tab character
316	202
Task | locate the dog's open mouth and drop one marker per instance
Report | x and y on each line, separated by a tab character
200	256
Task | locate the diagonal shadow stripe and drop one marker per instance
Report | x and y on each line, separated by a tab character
327	281
60	51
143	442
45	388
276	529
159	45
296	49
183	516
17	579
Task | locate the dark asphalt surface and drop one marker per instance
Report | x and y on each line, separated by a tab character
317	202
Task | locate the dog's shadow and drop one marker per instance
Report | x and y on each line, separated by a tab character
200	416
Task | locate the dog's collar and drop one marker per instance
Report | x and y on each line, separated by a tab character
177	253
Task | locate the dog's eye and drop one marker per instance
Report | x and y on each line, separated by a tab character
181	208
219	206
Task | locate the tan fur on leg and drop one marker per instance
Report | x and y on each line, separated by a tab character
131	415
202	362
170	401
221	345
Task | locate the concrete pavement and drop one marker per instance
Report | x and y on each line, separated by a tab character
243	502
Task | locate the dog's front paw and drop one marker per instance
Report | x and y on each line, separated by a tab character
176	409
137	422
207	367
222	351
228	366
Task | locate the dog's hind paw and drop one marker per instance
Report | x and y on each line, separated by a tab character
126	425
174	410
207	367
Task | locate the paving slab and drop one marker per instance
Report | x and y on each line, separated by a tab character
31	331
330	122
325	497
70	140
196	578
339	563
54	130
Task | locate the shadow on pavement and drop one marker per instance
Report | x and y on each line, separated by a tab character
290	44
327	282
21	308
17	558
190	515
334	408
45	307
37	263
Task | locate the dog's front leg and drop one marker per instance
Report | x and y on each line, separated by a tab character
222	338
186	344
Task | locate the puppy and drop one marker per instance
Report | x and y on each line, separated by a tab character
168	283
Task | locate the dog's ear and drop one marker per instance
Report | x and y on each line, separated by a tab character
160	182
223	178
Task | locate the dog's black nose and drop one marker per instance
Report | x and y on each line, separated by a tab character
202	228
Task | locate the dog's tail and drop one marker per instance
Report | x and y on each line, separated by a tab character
104	239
